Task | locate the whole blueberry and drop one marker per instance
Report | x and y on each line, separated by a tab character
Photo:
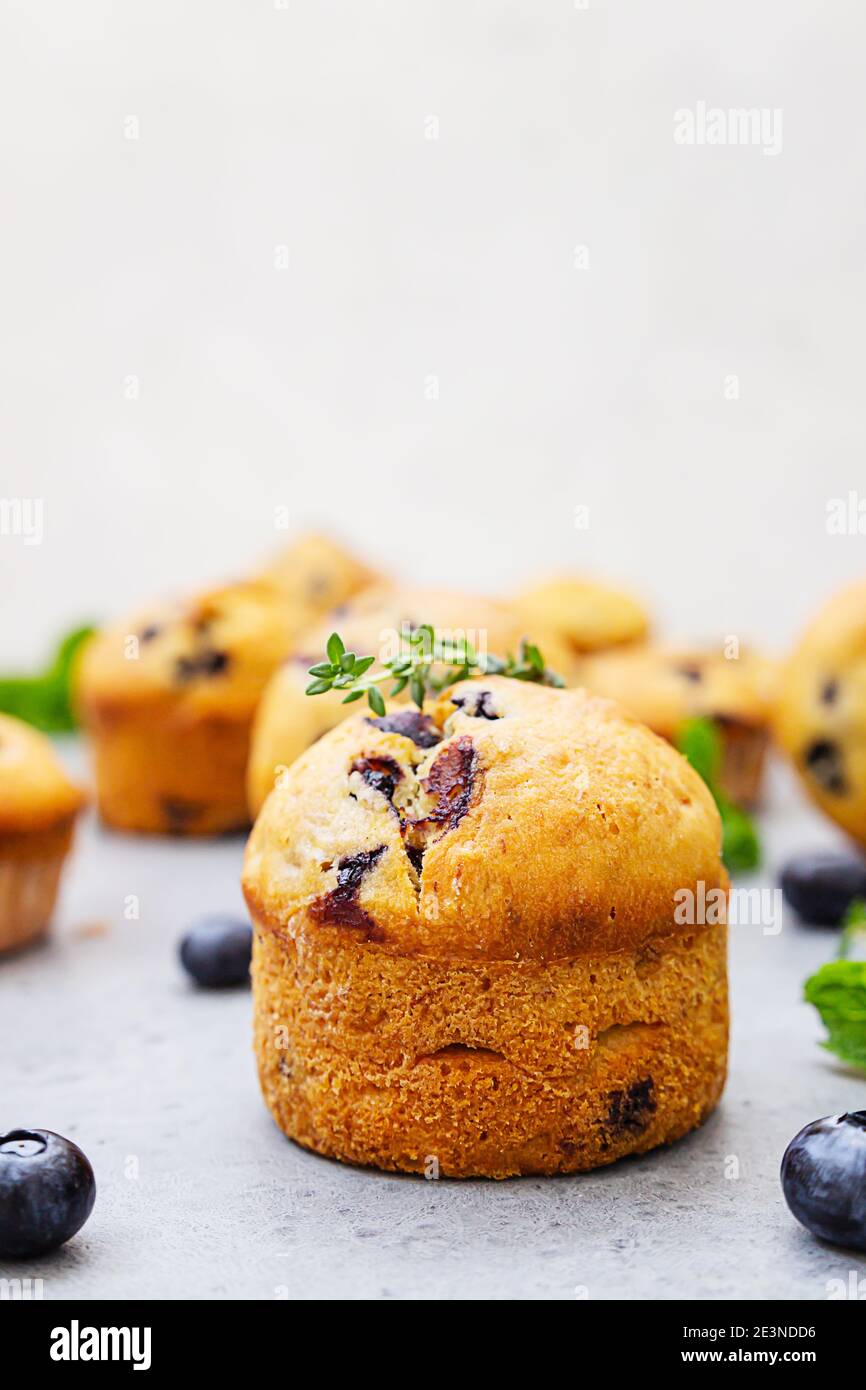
216	951
47	1191
824	1178
821	886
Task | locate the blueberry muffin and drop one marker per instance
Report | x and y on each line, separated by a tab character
821	714
665	686
315	574
168	699
471	956
287	721
38	806
588	616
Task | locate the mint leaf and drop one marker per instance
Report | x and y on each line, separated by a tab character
700	743
741	848
853	939
45	700
838	992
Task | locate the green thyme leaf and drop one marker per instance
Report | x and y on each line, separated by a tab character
416	688
530	655
838	992
424	664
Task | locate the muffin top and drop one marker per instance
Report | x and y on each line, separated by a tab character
665	686
35	792
315	574
287	721
509	821
821	716
589	616
211	653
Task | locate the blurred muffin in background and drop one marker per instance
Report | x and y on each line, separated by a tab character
315	574
288	721
168	698
38	806
821	714
589	617
665	687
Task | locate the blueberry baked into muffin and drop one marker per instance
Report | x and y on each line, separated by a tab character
168	699
287	722
588	616
468	956
821	713
38	807
666	686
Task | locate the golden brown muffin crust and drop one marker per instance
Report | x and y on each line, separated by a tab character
467	952
495	1068
209	654
497	842
315	573
35	792
665	685
588	615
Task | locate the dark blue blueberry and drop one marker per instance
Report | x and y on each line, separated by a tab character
824	1178
821	886
216	951
823	759
479	704
47	1191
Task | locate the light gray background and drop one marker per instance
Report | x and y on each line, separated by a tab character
303	125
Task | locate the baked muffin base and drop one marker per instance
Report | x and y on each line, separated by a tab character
744	753
30	867
461	1069
170	774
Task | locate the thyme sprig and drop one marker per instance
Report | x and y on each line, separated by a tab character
425	663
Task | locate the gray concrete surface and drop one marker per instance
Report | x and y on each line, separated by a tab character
201	1197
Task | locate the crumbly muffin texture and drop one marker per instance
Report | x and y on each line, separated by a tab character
587	615
288	721
821	714
467	952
